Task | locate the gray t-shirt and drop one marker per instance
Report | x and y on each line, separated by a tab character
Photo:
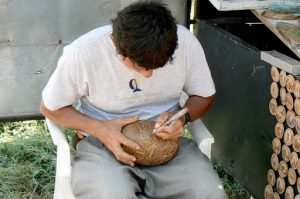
91	74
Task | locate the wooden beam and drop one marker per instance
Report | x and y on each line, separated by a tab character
281	61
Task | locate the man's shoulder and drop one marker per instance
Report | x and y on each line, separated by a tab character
92	36
184	35
182	31
89	40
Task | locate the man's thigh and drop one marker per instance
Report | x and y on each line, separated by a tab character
189	175
97	174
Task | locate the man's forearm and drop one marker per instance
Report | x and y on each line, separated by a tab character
198	106
70	118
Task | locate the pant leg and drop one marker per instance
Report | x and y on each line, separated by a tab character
189	175
97	174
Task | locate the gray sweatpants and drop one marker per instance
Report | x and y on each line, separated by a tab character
98	174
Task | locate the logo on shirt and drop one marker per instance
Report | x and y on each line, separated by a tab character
134	85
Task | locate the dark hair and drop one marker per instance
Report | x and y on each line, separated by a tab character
146	32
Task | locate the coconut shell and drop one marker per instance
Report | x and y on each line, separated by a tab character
153	149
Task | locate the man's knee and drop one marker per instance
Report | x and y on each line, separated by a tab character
208	190
117	192
106	190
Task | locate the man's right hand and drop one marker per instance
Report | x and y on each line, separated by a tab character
108	132
113	139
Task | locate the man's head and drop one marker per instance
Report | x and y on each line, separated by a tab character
146	34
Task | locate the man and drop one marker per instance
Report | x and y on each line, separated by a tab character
133	70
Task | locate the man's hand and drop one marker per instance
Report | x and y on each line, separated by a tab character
108	132
173	131
113	139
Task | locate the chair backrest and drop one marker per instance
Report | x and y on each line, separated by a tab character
32	36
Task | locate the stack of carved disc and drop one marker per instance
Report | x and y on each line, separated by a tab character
284	176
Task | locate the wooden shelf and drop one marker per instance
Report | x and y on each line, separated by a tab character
226	5
272	24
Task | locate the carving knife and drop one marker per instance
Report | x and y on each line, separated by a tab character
171	119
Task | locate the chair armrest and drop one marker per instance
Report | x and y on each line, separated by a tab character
199	132
56	133
63	165
62	188
202	136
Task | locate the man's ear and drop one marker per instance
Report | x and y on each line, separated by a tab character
114	42
112	38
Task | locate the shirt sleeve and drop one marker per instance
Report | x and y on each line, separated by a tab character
62	87
198	77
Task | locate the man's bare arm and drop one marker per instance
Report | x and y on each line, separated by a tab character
197	106
69	117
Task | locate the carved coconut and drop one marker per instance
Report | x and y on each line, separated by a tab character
153	149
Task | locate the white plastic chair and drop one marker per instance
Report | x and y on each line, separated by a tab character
62	188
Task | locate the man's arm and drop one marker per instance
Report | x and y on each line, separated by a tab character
108	132
70	118
197	107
